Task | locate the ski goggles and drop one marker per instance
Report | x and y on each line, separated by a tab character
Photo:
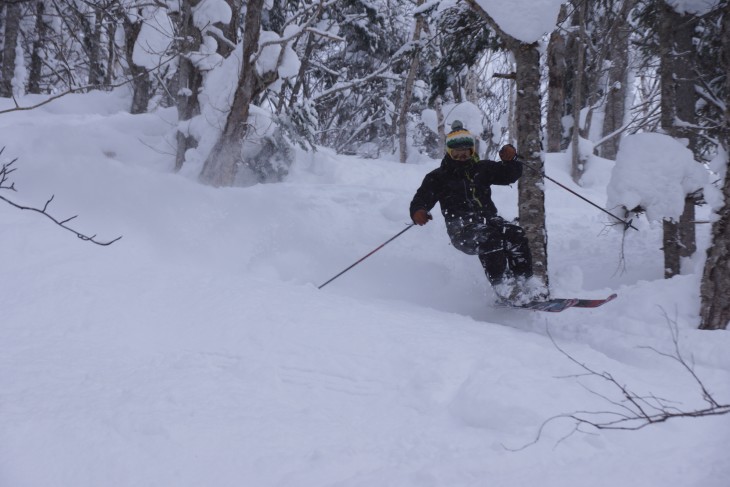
460	153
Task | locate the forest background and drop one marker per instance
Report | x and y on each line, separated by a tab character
252	80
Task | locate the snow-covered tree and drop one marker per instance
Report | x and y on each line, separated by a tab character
355	81
251	147
403	113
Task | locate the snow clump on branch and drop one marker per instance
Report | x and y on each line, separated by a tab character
654	172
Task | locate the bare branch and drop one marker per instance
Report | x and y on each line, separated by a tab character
640	410
85	88
634	411
7	169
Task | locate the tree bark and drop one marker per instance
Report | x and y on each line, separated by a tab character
189	79
440	120
678	104
301	76
556	87
221	166
531	184
141	84
12	29
36	62
230	30
615	110
408	91
715	310
577	159
96	70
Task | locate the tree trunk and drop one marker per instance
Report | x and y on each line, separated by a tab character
531	184
96	70
221	166
111	54
529	144
440	120
141	85
556	87
12	29
36	61
715	311
678	104
577	159
716	277
303	67
230	31
615	110
408	91
189	79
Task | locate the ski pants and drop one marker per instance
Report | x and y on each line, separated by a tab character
502	247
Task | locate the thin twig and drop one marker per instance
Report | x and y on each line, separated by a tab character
7	169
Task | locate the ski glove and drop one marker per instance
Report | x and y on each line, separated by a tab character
508	153
421	217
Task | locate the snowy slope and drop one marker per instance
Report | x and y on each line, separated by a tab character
198	351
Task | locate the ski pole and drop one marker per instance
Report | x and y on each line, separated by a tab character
409	226
627	224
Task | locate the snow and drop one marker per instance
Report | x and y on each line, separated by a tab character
269	58
209	12
154	38
694	7
655	172
525	20
468	113
197	350
216	98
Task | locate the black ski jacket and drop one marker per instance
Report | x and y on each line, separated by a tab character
463	188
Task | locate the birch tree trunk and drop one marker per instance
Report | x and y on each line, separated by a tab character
222	164
556	88
12	29
715	310
408	91
531	184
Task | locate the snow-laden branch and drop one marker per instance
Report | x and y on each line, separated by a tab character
318	8
708	95
379	73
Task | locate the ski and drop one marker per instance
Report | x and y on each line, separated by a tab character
556	305
593	303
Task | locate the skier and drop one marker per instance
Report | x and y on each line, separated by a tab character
462	187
